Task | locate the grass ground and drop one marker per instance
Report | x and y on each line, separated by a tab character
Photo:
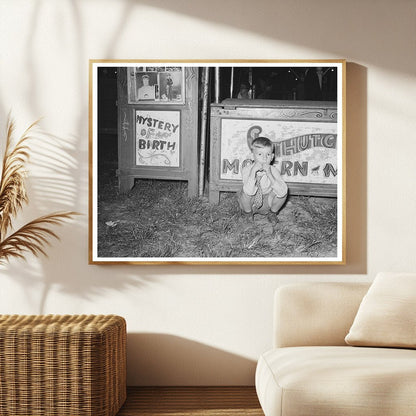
157	219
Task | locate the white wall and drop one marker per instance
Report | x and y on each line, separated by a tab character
204	324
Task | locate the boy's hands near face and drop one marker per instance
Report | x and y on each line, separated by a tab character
258	166
267	167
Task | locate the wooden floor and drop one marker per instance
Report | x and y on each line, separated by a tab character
187	401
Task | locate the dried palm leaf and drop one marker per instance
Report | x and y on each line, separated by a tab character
33	237
12	183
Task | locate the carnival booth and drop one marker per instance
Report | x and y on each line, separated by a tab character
303	132
157	124
304	136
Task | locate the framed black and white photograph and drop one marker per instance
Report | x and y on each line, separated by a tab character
217	163
155	84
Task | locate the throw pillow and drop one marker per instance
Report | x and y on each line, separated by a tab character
386	316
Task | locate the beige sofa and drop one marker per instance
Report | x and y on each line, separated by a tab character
311	370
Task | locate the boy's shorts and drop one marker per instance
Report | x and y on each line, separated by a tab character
264	209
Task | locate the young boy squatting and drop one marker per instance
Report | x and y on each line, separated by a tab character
263	189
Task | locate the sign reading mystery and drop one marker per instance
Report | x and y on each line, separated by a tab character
157	138
305	151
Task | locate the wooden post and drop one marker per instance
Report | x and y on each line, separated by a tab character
205	80
250	81
232	82
217	84
320	73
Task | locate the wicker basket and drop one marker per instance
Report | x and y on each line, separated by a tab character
71	365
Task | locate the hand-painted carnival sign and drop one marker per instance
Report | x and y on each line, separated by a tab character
305	152
157	138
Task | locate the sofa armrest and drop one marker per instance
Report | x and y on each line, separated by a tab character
308	314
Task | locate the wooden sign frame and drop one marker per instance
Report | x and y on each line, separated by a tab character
129	133
316	124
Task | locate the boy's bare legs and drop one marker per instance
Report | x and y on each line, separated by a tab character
246	202
276	203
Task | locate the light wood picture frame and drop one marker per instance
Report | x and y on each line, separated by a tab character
166	170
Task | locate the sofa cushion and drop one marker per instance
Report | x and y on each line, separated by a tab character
315	314
342	381
387	314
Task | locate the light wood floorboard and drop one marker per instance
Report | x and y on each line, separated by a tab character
191	401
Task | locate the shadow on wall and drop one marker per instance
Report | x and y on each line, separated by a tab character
356	168
344	27
37	286
161	359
